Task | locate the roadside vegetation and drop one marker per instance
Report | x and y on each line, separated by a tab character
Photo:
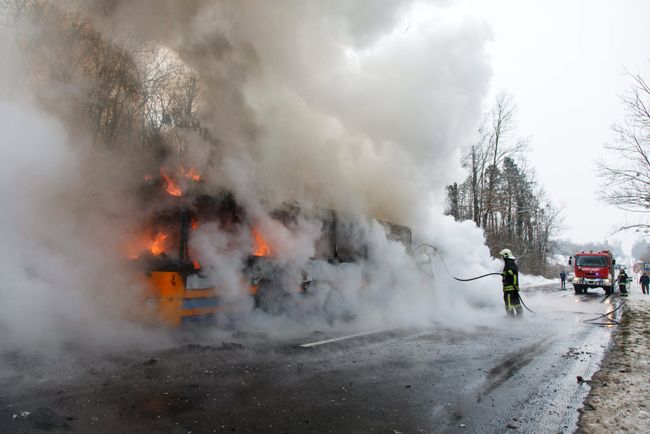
626	175
127	97
501	194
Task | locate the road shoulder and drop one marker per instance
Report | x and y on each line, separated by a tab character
618	400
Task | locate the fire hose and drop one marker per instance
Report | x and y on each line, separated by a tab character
610	321
442	260
587	321
477	277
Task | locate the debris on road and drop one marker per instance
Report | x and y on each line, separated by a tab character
231	346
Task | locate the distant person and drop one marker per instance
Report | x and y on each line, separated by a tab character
510	280
644	280
622	282
563	279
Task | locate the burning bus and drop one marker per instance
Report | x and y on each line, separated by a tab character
177	288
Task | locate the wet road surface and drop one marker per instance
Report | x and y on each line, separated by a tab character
511	375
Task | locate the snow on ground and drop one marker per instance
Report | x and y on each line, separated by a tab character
619	400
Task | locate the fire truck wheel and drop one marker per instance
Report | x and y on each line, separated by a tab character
578	289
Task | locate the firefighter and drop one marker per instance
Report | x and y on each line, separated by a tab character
563	279
622	282
510	280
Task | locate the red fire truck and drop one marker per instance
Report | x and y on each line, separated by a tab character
593	270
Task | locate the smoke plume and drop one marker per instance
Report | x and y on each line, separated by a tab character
363	107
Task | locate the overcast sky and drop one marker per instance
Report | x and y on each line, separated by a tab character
564	62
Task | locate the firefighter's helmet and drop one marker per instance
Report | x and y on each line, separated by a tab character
506	253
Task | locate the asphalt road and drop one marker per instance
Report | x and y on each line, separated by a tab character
511	375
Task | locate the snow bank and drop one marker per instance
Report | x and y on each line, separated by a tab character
618	401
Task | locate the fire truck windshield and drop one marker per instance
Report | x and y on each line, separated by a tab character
591	261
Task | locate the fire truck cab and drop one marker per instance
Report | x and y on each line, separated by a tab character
593	270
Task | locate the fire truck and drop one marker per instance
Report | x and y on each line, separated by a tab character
176	292
593	270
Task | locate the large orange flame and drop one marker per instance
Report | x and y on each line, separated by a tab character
170	186
261	247
157	246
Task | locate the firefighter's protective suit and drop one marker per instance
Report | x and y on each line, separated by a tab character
510	280
622	282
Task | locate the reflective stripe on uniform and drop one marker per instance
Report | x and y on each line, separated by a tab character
511	286
509	304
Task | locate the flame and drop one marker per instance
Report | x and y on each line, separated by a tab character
157	246
170	186
261	248
193	174
144	242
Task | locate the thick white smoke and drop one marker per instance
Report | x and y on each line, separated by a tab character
62	281
360	106
348	104
379	119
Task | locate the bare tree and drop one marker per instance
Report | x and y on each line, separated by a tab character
641	250
498	131
627	175
501	194
124	95
475	161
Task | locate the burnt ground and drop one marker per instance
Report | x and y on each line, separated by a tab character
517	376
